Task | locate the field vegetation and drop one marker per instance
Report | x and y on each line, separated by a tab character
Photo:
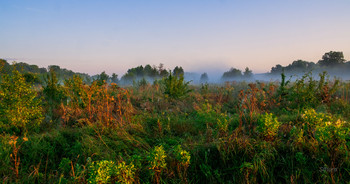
169	131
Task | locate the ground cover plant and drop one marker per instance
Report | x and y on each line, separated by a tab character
171	132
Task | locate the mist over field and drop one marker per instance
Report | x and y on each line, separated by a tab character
190	92
333	63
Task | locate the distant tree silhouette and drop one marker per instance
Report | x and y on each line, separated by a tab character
296	67
178	71
331	59
247	73
102	78
233	73
204	78
114	78
277	69
140	72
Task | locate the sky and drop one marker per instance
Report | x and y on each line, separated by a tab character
92	36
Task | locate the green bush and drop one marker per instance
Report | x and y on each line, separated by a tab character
175	86
20	108
157	163
101	172
268	125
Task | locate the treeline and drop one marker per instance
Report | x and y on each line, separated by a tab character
333	62
236	74
37	75
148	73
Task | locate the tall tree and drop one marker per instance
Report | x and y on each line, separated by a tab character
332	58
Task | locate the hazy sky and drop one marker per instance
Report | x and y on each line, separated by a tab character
91	36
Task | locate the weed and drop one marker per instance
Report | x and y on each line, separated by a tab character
157	164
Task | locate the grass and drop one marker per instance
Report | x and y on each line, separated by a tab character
232	133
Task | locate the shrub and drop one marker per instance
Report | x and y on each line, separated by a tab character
183	158
101	171
332	132
268	126
157	164
175	86
125	173
20	107
53	93
311	118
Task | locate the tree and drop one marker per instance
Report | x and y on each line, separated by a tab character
20	107
5	67
232	73
53	93
204	78
178	71
247	73
114	78
102	78
162	72
332	59
277	69
31	78
175	86
150	71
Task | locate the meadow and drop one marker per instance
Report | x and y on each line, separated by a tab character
173	132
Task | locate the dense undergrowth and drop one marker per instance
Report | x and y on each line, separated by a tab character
171	132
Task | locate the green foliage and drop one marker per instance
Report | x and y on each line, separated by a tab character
5	151
298	66
182	156
31	78
65	166
105	171
337	131
233	73
74	89
53	93
268	125
289	145
282	90
332	59
114	78
175	87
156	162
101	172
102	79
178	71
300	157
156	159
20	109
312	118
141	83
125	173
153	73
223	125
307	92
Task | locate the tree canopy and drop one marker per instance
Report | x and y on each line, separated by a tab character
332	59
